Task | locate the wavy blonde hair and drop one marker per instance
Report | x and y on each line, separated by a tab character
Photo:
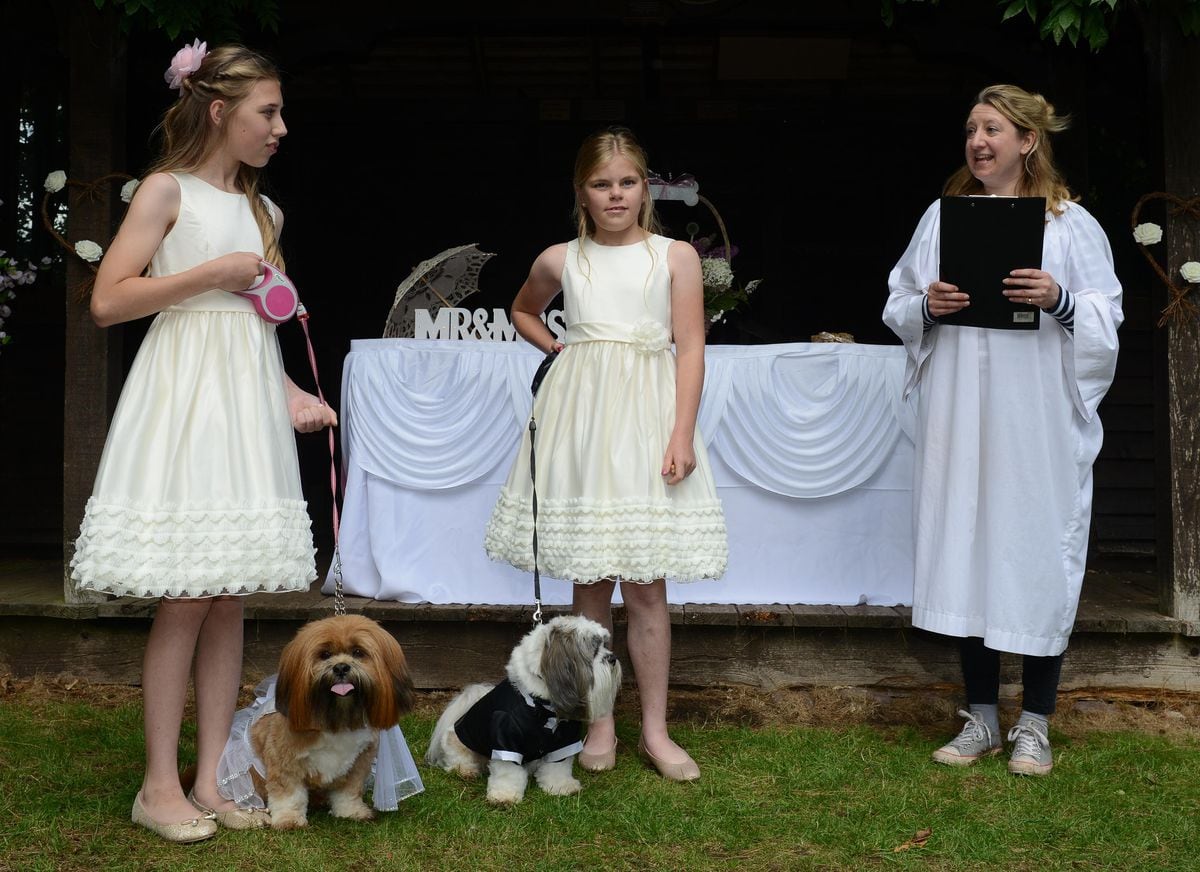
597	150
1029	113
227	73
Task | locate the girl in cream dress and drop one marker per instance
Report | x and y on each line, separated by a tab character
624	487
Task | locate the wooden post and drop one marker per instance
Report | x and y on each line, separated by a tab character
1179	76
96	126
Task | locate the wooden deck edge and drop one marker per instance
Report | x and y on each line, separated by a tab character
282	607
444	654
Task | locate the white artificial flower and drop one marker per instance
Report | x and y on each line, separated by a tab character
717	317
1147	234
649	336
716	272
56	181
1190	272
88	250
128	188
5	311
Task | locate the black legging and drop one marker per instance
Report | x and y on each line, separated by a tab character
981	675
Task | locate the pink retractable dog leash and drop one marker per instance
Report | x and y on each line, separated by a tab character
276	301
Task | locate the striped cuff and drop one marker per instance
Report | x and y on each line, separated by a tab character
1064	311
925	316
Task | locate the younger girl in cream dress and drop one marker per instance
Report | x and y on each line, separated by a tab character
624	488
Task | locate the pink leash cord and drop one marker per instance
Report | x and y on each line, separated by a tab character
339	605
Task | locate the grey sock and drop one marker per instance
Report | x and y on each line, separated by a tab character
1040	721
990	715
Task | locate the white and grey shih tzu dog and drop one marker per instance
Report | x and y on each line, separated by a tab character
561	676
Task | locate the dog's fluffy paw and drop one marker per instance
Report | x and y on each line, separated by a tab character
354	809
283	821
504	795
561	787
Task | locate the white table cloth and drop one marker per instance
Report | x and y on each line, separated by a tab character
811	448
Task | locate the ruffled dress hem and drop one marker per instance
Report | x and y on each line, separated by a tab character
217	549
586	541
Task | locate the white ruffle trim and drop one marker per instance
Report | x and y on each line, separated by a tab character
194	551
587	540
394	776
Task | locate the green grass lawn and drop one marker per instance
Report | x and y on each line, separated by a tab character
774	796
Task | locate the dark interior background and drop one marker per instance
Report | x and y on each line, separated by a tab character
820	135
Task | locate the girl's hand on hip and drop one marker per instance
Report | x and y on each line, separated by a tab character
1033	287
946	299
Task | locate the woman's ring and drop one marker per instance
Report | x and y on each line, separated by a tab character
1029	301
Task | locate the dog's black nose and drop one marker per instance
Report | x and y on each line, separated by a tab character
341	670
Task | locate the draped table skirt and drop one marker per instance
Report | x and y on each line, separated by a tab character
810	444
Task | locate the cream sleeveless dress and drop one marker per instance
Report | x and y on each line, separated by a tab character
604	415
198	490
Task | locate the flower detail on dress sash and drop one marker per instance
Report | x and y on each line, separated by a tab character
649	336
186	61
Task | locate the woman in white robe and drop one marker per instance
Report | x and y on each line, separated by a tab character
1007	431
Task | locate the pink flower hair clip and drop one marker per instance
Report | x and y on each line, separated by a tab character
186	61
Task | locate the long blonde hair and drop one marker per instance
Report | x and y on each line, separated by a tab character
597	150
227	73
1028	112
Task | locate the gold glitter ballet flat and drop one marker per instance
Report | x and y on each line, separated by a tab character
235	818
195	830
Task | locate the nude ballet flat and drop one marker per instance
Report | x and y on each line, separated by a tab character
601	762
195	830
685	771
235	818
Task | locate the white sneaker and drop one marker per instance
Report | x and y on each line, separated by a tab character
973	743
1031	750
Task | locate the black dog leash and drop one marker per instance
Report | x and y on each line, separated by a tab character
543	368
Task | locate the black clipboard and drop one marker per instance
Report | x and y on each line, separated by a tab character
982	240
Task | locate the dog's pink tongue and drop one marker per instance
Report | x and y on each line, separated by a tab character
342	689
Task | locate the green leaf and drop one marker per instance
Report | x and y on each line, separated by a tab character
1014	8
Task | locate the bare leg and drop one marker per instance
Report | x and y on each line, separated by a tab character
218	677
595	601
165	672
649	643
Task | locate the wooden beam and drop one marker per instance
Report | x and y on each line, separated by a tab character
1179	75
96	128
445	654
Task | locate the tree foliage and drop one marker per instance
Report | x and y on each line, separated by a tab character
219	19
1073	20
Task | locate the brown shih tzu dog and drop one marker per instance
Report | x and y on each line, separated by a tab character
341	681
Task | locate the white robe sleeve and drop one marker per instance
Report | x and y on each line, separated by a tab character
904	311
1090	355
